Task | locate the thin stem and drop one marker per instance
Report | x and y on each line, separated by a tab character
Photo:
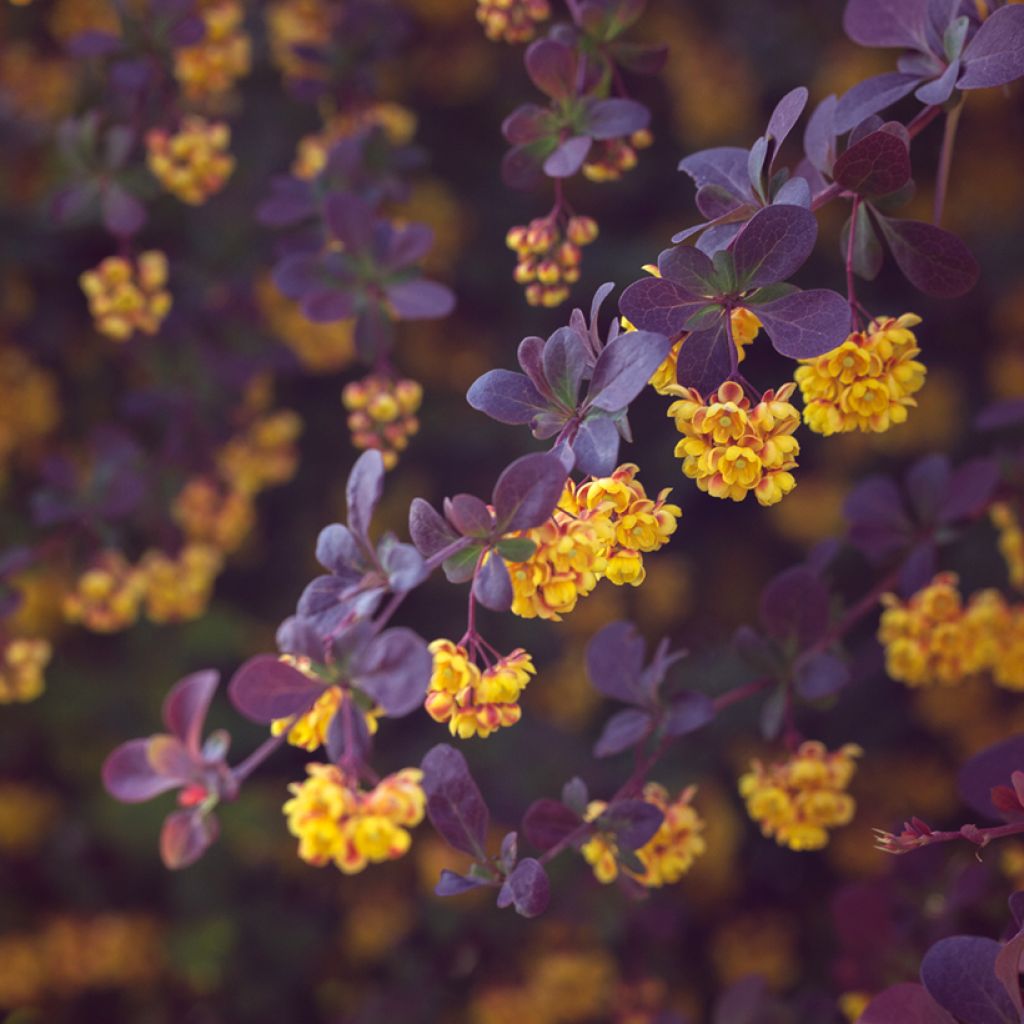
922	120
851	286
946	161
259	755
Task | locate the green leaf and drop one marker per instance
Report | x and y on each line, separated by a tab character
459	567
516	549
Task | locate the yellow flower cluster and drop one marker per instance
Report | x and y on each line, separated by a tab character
934	640
600	529
127	296
27	815
472	701
106	596
210	68
320	348
1011	540
744	330
382	414
667	856
514	21
22	663
730	448
798	800
336	821
178	588
865	384
263	454
548	262
194	162
210	512
294	26
29	407
610	159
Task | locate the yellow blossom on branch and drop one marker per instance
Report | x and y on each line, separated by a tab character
22	663
548	261
194	162
106	596
513	21
177	589
126	296
210	68
382	414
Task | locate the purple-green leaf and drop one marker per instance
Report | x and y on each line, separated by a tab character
526	888
527	492
805	324
615	118
933	260
455	805
633	822
186	835
130	776
624	367
774	245
185	707
595	447
492	585
265	688
551	66
506	396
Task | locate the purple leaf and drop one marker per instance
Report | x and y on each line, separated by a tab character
624	367
1000	415
131	777
820	675
337	743
820	135
940	89
959	974
785	116
687	712
568	158
297	635
469	515
623	730
725	166
794	192
548	822
794	605
689	268
886	23
408	245
995	55
492	585
983	772
640	58
1007	970
919	567
661	306
326	305
403	564
451	884
527	889
428	528
704	358
123	215
615	662
596	446
633	822
363	490
871	96
970	488
264	689
714	201
93	43
185	837
185	707
566	361
455	805
521	167
528	491
551	66
615	118
506	396
879	524
526	124
774	245
395	671
867	249
906	1003
927	484
876	165
289	203
805	324
296	274
934	261
420	300
339	550
350	219
743	1002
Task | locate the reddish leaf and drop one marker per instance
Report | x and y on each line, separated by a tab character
185	707
876	165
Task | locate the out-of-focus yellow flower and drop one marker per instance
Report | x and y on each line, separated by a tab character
210	68
798	800
262	455
125	296
760	943
194	162
209	513
731	449
177	589
511	21
27	814
853	1004
610	159
29	403
376	923
382	414
294	26
600	530
106	596
22	663
867	383
337	822
548	261
1011	541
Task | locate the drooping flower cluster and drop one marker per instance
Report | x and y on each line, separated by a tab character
209	511
867	383
798	800
475	701
22	663
514	21
106	596
600	529
732	448
210	68
666	857
126	296
382	414
933	639
610	159
335	821
194	162
1011	541
178	587
263	454
548	261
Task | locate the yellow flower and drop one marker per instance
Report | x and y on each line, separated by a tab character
336	821
382	414
549	263
179	589
210	68
513	21
211	514
798	800
731	449
867	383
22	663
106	596
125	296
1011	540
194	162
29	403
262	455
294	26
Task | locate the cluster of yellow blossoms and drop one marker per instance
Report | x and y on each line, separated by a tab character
263	454
29	406
22	663
211	512
667	856
126	296
731	448
610	159
934	640
865	384
336	821
600	529
798	800
1011	541
195	161
472	701
548	262
295	26
514	21
382	414
210	68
